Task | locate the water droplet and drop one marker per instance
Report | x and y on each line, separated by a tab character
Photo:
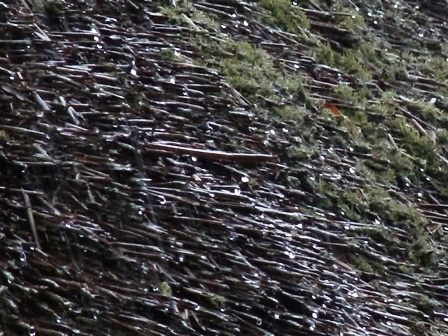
259	322
194	159
244	179
276	316
353	293
315	314
22	256
181	257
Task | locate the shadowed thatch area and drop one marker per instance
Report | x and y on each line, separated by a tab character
223	167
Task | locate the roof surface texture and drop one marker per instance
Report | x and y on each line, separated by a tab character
223	167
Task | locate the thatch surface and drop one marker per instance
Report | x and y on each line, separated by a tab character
143	195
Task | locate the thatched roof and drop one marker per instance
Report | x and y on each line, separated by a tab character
223	168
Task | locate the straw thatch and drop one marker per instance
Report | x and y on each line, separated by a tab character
145	194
